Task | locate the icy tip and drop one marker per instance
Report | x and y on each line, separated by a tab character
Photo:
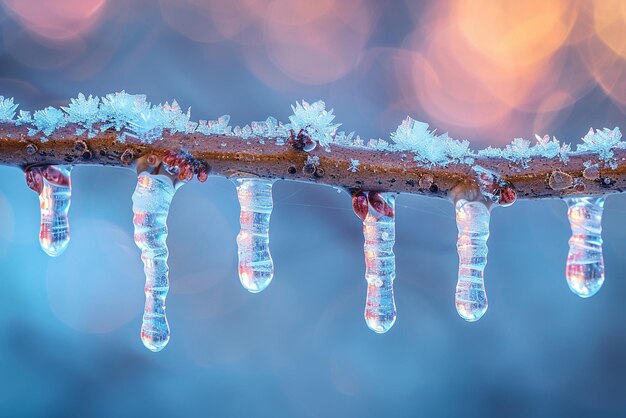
254	282
154	343
54	248
471	312
379	326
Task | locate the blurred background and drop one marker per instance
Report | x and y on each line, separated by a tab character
487	71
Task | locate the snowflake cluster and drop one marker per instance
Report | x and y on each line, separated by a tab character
521	151
414	136
7	109
604	142
315	120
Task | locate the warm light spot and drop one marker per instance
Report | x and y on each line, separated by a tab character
515	34
609	17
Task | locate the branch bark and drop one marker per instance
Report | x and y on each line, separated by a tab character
377	170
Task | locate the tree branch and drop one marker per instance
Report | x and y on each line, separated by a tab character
388	171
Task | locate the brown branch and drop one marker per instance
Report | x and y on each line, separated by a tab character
377	170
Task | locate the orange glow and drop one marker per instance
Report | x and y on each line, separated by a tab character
609	17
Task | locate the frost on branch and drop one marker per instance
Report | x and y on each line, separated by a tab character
315	120
604	142
429	148
168	149
7	109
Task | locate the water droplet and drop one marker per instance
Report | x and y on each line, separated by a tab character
559	180
377	210
151	202
472	219
507	196
256	268
426	181
53	185
592	172
585	264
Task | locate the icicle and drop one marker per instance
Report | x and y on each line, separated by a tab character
256	268
377	210
585	265
472	219
151	203
53	185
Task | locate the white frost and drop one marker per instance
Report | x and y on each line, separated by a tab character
7	109
414	136
315	120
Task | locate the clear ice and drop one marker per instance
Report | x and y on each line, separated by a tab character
151	202
585	264
256	267
472	220
53	185
377	211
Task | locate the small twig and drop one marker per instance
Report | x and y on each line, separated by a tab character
388	171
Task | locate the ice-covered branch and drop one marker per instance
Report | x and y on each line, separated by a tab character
167	150
584	173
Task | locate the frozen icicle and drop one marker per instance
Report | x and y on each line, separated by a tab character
151	203
585	265
256	268
472	220
52	184
377	210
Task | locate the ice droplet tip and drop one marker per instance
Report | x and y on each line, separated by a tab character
55	250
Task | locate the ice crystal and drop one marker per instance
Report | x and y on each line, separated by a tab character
7	109
174	119
23	117
119	109
415	136
146	126
521	151
83	110
604	142
48	120
215	127
315	120
354	166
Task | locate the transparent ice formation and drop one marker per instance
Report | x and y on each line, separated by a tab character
151	202
377	211
472	220
256	267
53	185
585	264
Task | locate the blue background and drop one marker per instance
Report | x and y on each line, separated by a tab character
69	326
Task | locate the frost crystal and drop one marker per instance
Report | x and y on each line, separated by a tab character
47	120
414	136
604	142
174	119
7	109
520	150
354	166
23	118
315	120
215	127
120	108
84	111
